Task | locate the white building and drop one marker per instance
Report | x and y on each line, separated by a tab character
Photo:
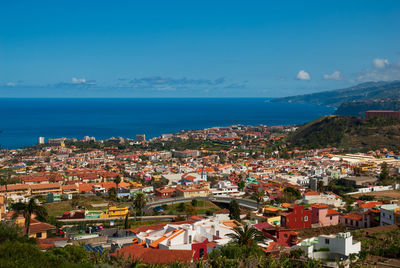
340	244
388	214
41	140
323	198
225	188
183	236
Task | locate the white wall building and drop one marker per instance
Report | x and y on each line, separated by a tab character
323	198
388	214
341	243
225	188
182	236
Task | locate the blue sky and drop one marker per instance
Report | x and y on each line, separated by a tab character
194	48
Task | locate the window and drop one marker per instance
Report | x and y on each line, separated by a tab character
345	221
201	252
39	235
326	241
330	217
306	218
217	233
190	239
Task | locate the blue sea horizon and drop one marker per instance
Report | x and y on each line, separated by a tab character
23	120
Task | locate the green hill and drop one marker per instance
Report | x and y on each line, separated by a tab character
358	108
365	91
347	132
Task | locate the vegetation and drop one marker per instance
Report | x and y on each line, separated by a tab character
347	132
27	210
139	203
234	210
384	244
364	91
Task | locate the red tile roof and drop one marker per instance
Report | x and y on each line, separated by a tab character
312	193
332	212
149	255
353	216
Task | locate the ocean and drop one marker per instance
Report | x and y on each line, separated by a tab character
22	121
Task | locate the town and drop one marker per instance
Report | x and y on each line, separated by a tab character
203	195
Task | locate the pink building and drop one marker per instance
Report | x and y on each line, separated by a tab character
324	216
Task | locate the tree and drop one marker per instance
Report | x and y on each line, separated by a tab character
194	202
241	184
259	197
246	236
384	175
190	211
140	202
126	223
234	211
320	186
112	193
117	180
27	209
296	193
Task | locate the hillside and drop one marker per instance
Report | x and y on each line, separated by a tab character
365	91
347	132
358	108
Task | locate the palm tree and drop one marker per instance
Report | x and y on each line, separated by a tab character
27	209
246	236
140	202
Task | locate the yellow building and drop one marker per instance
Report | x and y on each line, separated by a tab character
114	212
192	192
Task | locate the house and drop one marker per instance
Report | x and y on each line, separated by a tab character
369	205
15	189
297	217
225	188
390	214
188	236
193	178
356	220
323	198
39	229
330	246
165	192
281	236
53	197
115	212
192	191
155	256
323	216
359	181
45	188
70	189
222	214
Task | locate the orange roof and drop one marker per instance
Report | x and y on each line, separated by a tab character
312	193
45	186
332	212
370	204
150	255
353	216
320	206
286	205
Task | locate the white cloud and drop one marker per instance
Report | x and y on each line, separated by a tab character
303	75
336	75
389	72
380	63
11	84
78	80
